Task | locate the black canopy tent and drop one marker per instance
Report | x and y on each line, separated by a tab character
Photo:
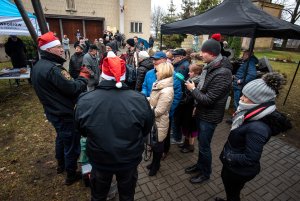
236	18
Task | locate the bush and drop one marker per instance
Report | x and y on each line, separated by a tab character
173	41
30	47
235	43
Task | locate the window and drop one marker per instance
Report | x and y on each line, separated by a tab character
136	27
71	5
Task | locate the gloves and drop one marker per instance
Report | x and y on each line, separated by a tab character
84	72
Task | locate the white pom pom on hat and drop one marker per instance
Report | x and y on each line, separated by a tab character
113	68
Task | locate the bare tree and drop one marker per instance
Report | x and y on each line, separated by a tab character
157	18
290	12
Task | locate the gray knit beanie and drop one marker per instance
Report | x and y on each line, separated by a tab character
258	91
264	89
211	46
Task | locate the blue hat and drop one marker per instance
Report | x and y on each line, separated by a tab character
159	55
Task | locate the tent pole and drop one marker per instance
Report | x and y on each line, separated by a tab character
291	83
38	10
160	41
26	20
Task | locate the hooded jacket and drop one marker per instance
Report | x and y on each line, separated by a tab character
243	149
54	86
115	122
144	67
150	78
161	99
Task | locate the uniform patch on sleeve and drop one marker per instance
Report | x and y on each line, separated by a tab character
66	74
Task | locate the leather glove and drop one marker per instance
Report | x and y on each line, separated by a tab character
84	72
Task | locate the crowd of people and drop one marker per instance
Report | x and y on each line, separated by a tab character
114	99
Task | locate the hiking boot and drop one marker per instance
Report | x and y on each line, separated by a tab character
72	177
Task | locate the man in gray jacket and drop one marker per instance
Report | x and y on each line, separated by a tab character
91	61
211	95
66	46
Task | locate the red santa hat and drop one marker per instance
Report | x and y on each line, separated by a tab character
48	40
216	36
113	68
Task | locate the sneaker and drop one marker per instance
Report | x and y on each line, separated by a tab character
173	141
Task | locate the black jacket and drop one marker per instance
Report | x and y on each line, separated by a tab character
242	152
212	98
54	86
75	64
144	67
17	52
115	121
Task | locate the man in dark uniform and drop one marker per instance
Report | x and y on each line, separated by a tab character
115	121
57	91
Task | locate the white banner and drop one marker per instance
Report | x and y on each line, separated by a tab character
16	26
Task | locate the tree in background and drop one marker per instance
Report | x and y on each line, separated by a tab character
174	40
157	19
290	13
205	5
188	8
235	43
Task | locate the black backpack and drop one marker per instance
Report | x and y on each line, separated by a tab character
130	74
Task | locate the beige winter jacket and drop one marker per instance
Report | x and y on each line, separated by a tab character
161	99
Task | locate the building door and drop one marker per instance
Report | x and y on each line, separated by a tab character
54	27
70	27
93	29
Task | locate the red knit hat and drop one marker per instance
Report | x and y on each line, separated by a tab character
48	40
113	68
216	36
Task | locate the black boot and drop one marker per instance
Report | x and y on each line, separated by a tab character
155	164
72	177
184	144
149	166
60	166
189	148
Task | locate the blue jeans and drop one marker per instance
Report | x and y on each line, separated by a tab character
177	135
67	143
237	92
205	134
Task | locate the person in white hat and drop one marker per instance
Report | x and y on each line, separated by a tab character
115	121
145	64
58	91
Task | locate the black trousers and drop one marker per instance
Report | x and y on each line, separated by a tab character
168	139
101	180
233	184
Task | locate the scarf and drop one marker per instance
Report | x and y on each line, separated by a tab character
206	68
251	112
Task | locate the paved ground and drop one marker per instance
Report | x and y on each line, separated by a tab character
278	180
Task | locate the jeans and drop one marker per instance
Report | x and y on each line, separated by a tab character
67	143
237	92
206	131
233	184
176	132
101	181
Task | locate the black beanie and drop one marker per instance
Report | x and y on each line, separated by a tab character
211	46
130	42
